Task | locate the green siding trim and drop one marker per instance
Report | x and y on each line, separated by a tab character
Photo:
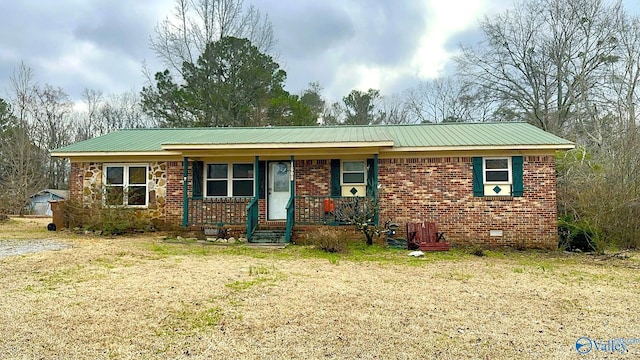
262	172
256	178
376	219
185	188
335	177
370	178
478	186
197	174
517	175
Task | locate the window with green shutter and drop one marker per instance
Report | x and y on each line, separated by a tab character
498	176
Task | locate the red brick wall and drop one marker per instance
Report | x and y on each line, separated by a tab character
423	189
173	210
313	177
76	177
441	190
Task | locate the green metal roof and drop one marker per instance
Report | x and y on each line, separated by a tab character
402	136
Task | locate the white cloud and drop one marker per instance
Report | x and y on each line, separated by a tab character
447	19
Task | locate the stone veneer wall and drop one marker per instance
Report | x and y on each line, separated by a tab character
85	184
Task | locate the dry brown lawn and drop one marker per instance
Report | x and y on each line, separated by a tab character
140	297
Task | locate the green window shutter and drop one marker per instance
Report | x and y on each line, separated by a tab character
335	177
197	167
370	178
516	173
262	172
478	186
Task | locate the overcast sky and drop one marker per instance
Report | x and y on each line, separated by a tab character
343	44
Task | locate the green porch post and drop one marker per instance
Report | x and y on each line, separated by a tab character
376	217
256	194
291	204
185	189
256	176
293	183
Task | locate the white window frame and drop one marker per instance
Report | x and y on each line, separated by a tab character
343	171
229	179
125	183
508	170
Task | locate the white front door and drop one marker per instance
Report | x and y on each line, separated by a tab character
278	189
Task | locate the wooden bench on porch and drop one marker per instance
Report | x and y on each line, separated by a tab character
425	236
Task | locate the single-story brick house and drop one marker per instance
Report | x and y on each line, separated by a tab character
492	184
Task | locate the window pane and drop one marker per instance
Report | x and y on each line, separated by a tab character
114	195
137	195
217	188
496	164
242	187
115	175
243	171
217	171
497	176
353	178
137	175
353	166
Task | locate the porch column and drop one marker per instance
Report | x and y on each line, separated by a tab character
293	177
185	189
376	217
256	177
291	212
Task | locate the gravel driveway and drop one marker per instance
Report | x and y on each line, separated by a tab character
20	247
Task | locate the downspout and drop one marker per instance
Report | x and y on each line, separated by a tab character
185	189
376	217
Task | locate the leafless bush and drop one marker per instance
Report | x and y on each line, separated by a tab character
333	241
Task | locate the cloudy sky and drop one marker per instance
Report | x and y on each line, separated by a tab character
343	44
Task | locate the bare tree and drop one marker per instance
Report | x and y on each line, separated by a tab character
102	115
395	110
448	99
541	59
184	35
21	162
51	128
43	112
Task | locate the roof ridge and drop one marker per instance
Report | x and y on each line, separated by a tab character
382	126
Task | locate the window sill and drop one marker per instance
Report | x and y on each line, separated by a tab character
498	198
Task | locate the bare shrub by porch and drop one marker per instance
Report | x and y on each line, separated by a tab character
328	239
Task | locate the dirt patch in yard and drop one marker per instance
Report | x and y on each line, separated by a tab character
21	247
138	297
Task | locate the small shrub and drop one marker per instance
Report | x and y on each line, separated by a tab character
477	251
107	220
575	236
329	240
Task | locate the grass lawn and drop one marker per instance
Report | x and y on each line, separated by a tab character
140	297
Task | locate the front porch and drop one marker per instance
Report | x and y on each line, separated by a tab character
306	210
282	197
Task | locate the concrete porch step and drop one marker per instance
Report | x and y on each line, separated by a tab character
268	236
